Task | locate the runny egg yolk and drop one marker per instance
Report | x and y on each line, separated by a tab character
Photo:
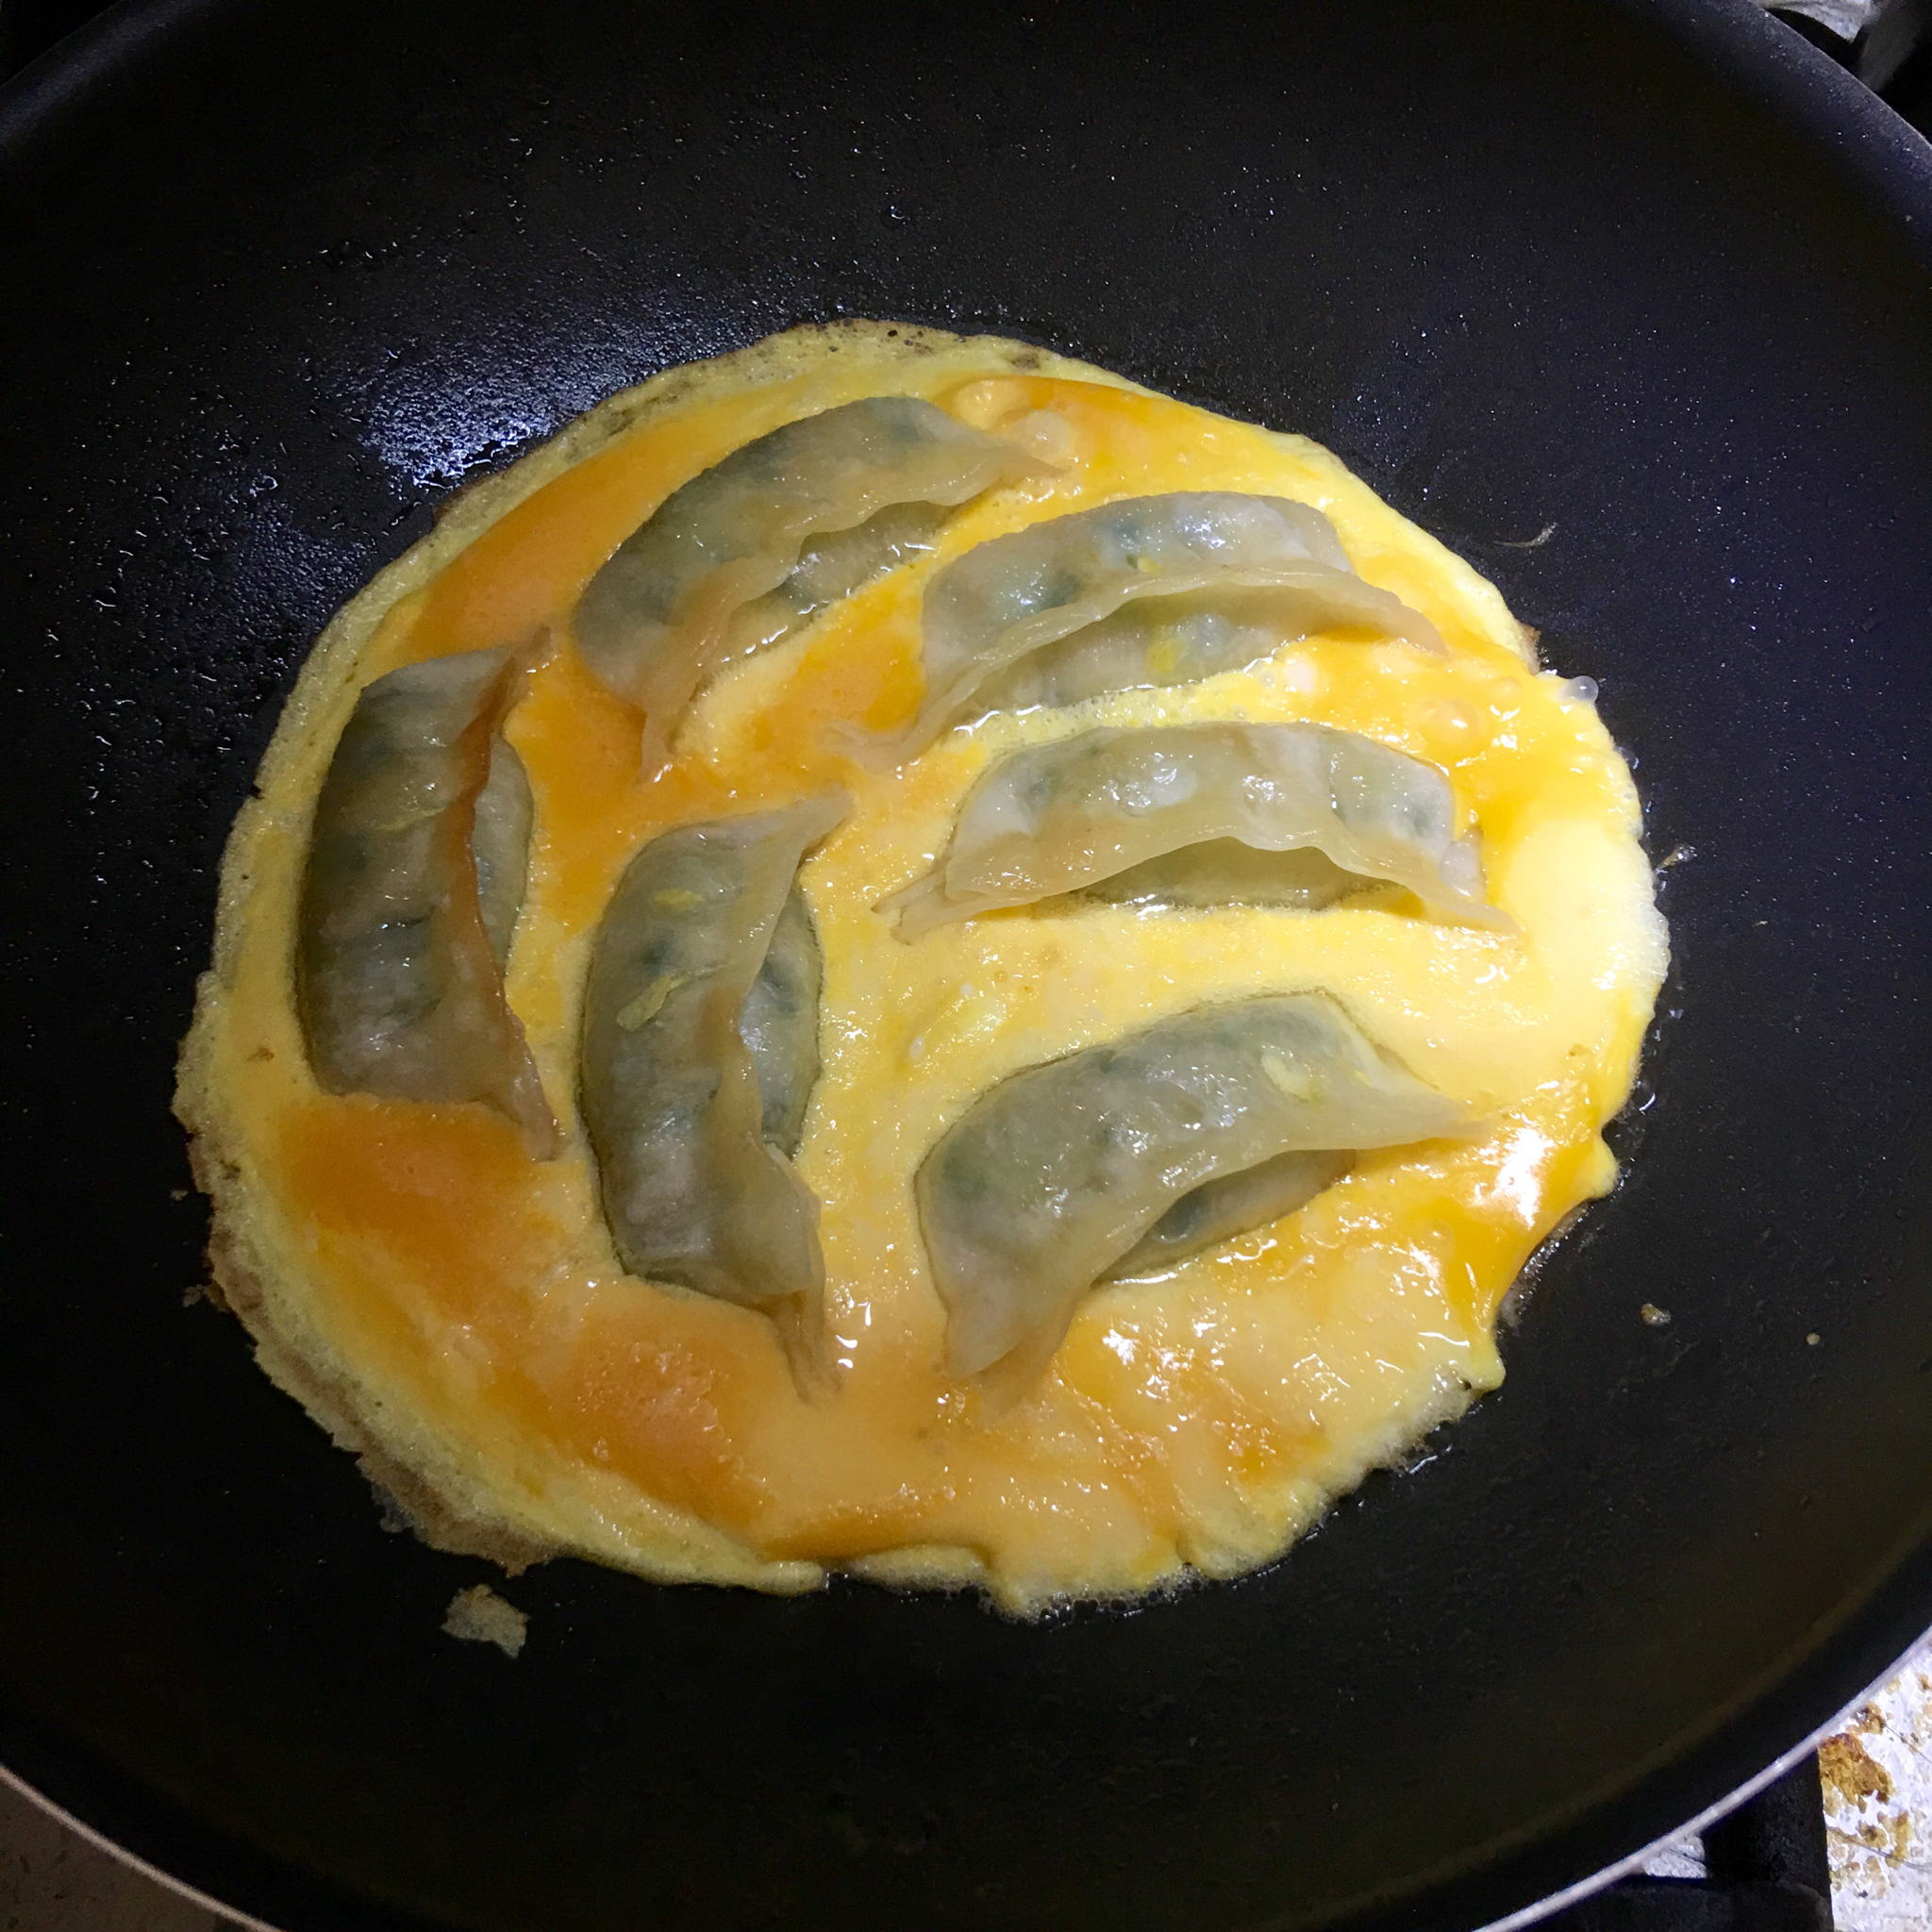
1201	1420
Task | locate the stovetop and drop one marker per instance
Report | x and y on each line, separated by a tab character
1843	1839
1877	1776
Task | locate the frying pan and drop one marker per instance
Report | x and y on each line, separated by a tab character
1629	303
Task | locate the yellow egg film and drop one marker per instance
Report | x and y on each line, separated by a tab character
452	1308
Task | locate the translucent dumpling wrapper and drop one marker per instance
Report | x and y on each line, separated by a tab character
417	864
1224	872
829	568
1219	1210
500	845
1202	814
779	1023
1150	590
1054	1177
700	1051
732	560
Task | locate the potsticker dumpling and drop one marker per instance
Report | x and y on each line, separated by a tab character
500	845
1224	872
793	521
829	568
779	1023
416	866
1150	590
700	1050
1218	1210
1312	812
1052	1177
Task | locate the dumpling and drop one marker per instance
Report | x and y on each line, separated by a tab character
1055	1177
779	1023
700	1051
829	568
1224	872
1202	814
1150	590
500	843
730	560
1219	1210
416	872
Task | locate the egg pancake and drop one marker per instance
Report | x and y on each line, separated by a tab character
448	1301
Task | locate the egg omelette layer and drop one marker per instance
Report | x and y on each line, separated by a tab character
453	1310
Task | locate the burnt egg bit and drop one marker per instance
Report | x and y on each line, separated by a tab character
897	955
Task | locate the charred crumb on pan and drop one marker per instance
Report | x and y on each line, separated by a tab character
478	1615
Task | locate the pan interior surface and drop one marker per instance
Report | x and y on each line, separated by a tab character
1624	304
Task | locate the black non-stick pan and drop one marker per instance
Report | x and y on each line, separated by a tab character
1629	300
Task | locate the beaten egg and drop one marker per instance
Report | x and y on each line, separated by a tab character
448	1301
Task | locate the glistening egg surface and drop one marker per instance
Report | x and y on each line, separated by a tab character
453	1309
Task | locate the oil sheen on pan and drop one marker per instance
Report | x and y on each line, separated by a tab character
897	955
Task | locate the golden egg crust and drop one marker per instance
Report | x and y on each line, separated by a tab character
450	1307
